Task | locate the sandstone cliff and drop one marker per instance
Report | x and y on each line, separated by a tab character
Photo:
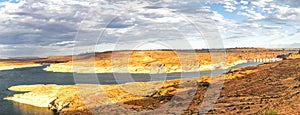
156	61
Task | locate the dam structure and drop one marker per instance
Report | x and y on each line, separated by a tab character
265	60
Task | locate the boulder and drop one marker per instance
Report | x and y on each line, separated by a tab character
57	106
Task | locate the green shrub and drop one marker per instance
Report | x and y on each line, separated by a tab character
271	111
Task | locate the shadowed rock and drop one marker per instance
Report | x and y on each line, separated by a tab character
297	79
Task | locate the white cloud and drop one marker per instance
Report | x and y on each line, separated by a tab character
252	14
244	2
285	13
47	23
271	27
261	3
229	5
63	43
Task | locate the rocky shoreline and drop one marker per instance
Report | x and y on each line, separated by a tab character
249	90
140	69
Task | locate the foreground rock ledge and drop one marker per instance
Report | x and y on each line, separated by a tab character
259	89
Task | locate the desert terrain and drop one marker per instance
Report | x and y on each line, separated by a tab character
270	88
163	61
251	90
147	61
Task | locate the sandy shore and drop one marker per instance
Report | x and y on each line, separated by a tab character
10	66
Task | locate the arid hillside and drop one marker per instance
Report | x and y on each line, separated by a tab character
162	61
272	88
149	61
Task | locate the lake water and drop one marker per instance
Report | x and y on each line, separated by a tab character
36	75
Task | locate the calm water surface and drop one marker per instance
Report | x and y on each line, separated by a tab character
36	75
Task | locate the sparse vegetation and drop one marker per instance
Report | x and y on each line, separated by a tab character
271	111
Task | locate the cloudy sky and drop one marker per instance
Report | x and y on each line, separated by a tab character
63	27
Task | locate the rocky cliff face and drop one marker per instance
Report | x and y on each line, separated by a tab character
144	61
157	62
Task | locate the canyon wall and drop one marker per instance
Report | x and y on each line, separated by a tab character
159	61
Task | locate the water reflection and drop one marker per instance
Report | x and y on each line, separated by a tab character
23	109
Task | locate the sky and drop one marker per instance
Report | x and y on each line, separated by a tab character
65	27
